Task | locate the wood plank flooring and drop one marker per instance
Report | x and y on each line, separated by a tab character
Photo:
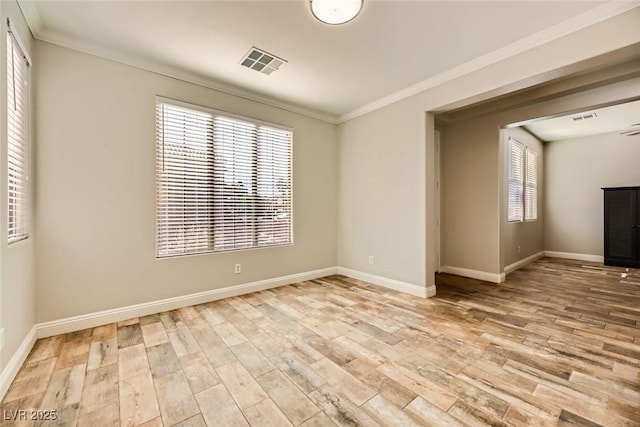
557	344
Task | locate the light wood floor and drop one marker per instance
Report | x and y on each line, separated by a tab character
558	343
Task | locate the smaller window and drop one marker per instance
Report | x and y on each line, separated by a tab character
17	143
523	183
516	180
531	186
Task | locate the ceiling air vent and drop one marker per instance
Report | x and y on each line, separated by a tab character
633	131
259	60
585	116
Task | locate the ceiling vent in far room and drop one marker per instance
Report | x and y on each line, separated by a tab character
259	60
584	116
633	131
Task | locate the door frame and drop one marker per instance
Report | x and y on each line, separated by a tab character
438	179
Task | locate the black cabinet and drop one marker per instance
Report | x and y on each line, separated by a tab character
622	226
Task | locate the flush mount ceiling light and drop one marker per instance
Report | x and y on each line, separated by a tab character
335	12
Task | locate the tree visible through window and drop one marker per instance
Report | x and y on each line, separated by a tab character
223	182
523	183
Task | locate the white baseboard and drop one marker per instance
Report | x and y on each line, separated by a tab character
579	257
474	274
396	285
91	320
528	260
15	363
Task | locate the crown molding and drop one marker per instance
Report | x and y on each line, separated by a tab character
180	74
31	15
43	34
579	22
603	70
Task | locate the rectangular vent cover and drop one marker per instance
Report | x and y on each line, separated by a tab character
259	60
585	116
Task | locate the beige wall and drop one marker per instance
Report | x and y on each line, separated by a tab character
576	170
96	190
17	285
382	215
95	182
470	195
475	232
522	239
382	195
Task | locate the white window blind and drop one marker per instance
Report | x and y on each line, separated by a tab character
17	141
516	180
523	183
531	186
223	183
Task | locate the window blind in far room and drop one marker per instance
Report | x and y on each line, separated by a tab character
223	182
516	180
531	186
17	140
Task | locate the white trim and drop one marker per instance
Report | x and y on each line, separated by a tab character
16	36
178	73
10	371
579	22
31	15
438	198
91	320
474	274
570	255
407	288
528	260
214	112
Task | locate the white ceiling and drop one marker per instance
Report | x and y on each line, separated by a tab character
616	118
332	71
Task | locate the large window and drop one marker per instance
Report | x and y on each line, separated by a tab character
17	140
223	182
523	183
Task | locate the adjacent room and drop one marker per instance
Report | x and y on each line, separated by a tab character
319	213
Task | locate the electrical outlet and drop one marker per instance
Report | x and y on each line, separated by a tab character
370	259
238	268
1	339
518	249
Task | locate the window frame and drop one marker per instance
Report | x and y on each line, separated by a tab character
18	228
214	115
522	184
